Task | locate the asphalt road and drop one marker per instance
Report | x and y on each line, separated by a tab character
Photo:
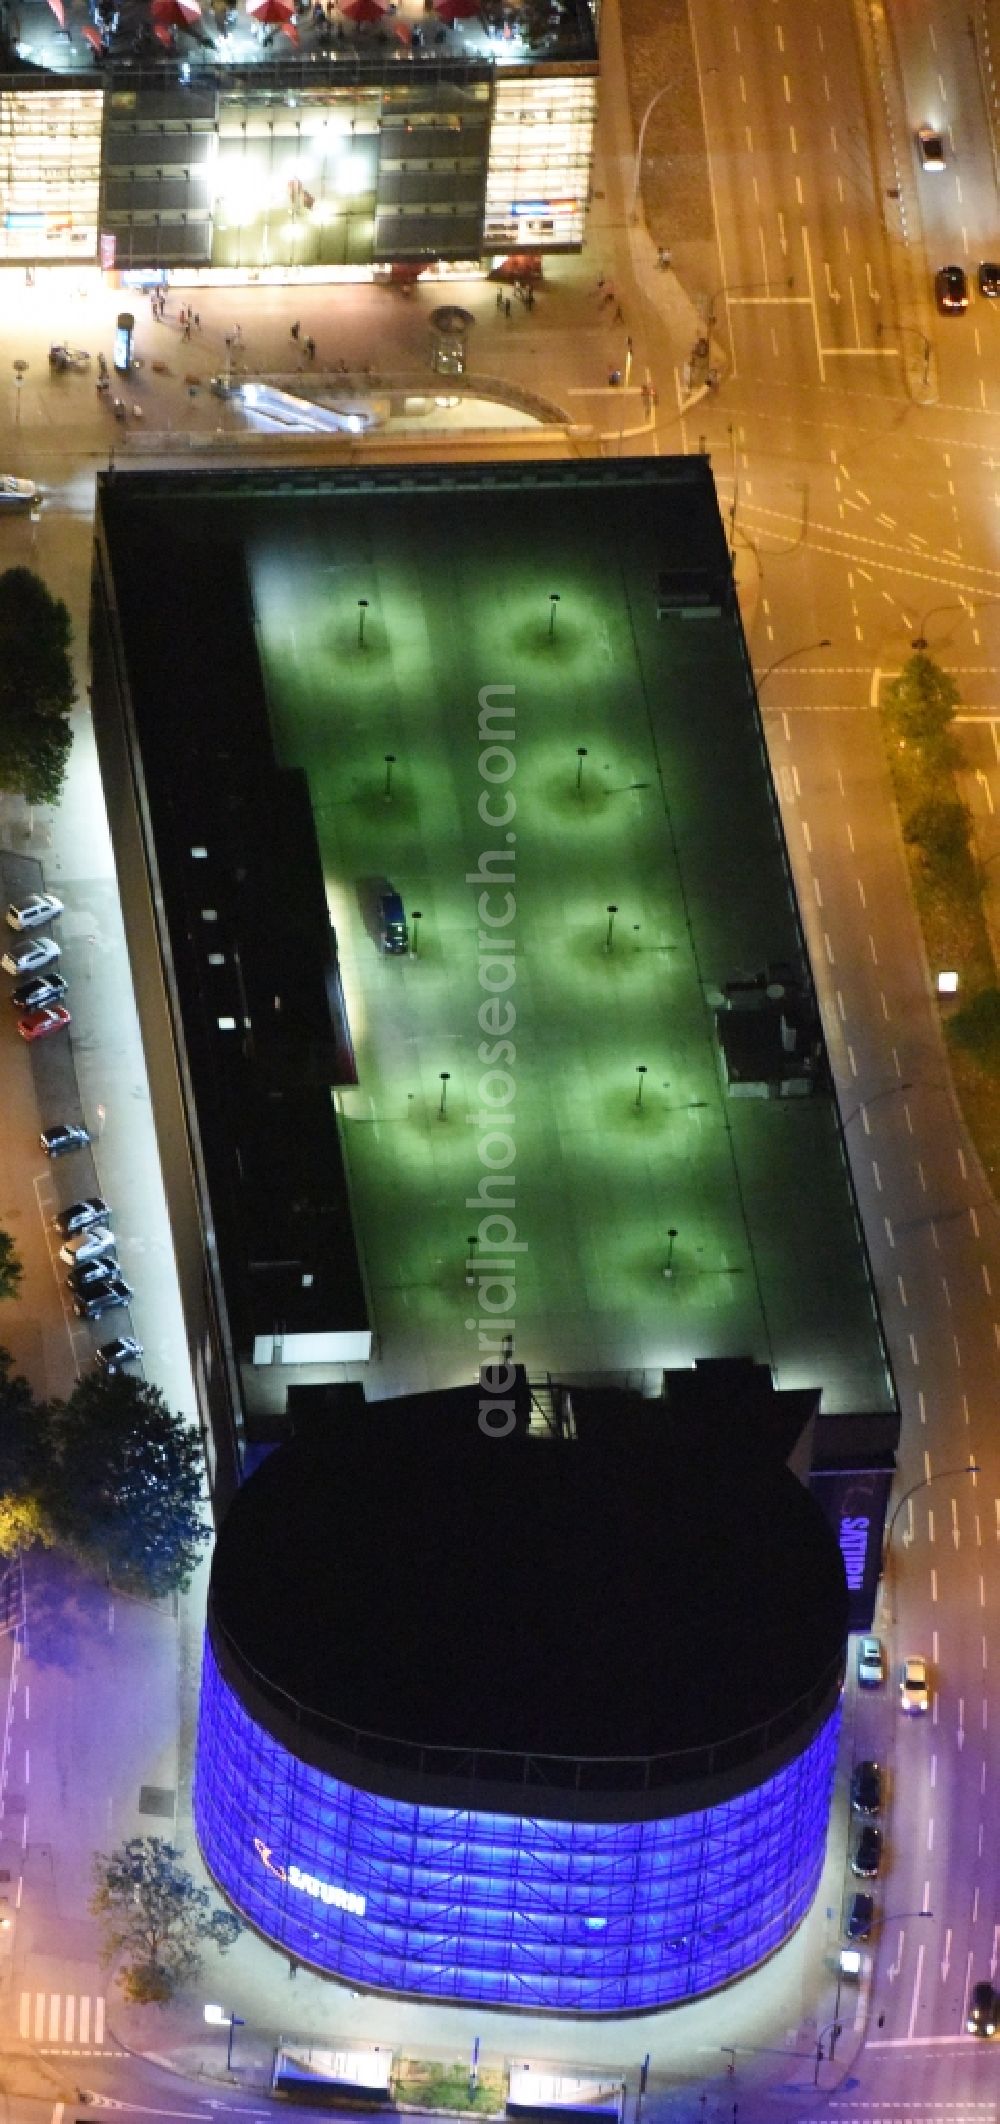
863	505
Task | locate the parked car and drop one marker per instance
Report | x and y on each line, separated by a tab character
392	923
92	1210
102	1298
860	1917
14	491
30	958
88	1245
867	1858
64	1136
82	1279
871	1663
42	988
866	1788
931	147
33	910
981	2019
951	289
914	1689
37	1024
113	1356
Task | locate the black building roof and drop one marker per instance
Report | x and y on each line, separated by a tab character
657	1582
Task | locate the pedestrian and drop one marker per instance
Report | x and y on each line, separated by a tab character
600	282
186	334
499	298
237	335
506	309
295	329
197	322
530	299
310	346
619	314
663	256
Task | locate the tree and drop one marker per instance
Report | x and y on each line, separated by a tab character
24	1464
156	1919
976	1028
921	705
36	687
941	828
127	1481
11	1267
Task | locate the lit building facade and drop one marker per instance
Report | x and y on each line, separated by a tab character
337	158
511	1909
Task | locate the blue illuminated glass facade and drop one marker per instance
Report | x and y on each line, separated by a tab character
597	1917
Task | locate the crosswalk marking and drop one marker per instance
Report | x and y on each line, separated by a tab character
58	2017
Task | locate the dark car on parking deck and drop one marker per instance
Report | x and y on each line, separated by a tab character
92	1210
860	1917
125	1349
90	1272
989	278
42	988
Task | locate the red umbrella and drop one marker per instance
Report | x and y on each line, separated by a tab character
59	12
164	36
93	36
456	10
363	10
402	31
271	10
289	30
176	14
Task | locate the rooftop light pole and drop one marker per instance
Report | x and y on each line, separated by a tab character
805	649
443	1106
609	939
470	1266
362	609
553	609
671	1238
416	915
640	1070
581	754
390	761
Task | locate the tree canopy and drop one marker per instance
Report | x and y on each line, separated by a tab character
36	687
156	1919
11	1269
921	705
24	1462
126	1481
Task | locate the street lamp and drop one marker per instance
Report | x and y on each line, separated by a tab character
968	605
609	939
553	608
416	915
390	761
655	98
581	754
805	649
443	1106
362	609
925	345
20	371
943	1475
671	1237
640	1070
470	1266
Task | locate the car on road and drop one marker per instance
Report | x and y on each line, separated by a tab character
931	147
112	1356
31	957
871	1663
42	988
64	1136
88	1245
92	1210
101	1298
33	910
981	2019
37	1024
914	1689
951	289
867	1858
866	1788
89	1273
860	1917
989	279
14	491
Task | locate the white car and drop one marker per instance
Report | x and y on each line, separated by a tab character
33	910
914	1689
30	958
871	1667
17	490
931	148
87	1245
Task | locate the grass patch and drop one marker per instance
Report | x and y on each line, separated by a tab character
426	2084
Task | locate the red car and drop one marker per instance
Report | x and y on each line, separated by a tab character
37	1023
